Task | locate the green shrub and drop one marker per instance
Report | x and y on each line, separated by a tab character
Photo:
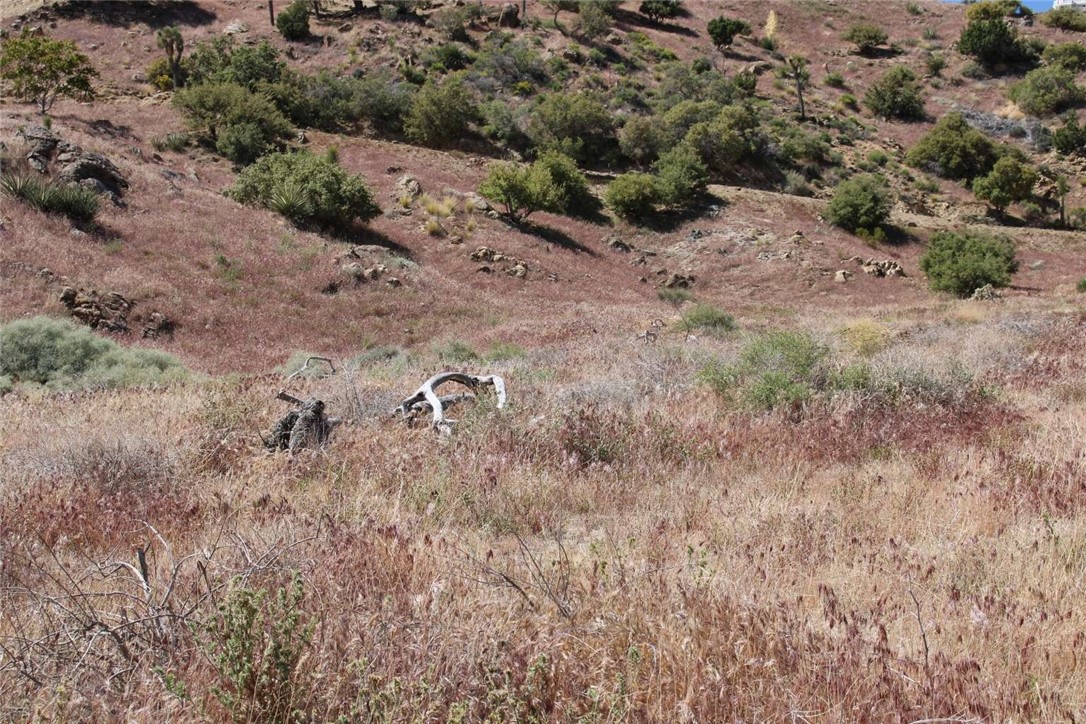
159	73
592	21
317	188
722	31
383	101
866	36
551	183
447	56
576	124
440	113
1065	19
779	369
641	139
248	123
293	23
954	150
1071	56
63	356
681	175
935	63
456	351
256	643
707	319
1045	91
896	95
1081	286
633	195
76	202
996	9
674	295
962	262
1070	138
834	80
734	135
1010	180
993	42
175	142
222	61
657	10
505	60
504	352
861	203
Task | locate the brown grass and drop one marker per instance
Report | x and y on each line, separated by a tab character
607	548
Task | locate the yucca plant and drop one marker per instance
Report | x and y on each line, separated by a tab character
75	202
290	200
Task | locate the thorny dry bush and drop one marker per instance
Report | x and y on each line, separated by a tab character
631	540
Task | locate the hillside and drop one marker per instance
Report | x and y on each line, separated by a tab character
753	466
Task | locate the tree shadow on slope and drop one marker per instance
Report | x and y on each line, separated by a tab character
155	13
553	236
627	20
360	235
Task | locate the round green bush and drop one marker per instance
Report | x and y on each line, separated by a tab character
962	262
293	23
632	195
896	95
307	189
861	203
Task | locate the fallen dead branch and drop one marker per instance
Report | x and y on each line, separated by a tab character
426	399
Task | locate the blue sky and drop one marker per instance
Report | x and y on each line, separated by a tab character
1035	5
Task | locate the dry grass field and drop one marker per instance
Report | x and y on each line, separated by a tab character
797	500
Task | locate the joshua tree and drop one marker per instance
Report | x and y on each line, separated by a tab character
795	68
170	40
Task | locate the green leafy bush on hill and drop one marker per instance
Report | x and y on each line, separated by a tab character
962	262
307	189
954	150
860	204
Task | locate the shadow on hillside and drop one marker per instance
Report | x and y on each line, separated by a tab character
359	235
553	236
155	13
668	221
627	20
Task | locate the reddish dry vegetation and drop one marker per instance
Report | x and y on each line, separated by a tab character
623	542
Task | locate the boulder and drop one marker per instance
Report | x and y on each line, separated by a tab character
409	186
842	276
75	165
678	281
235	28
42	143
158	325
107	312
987	293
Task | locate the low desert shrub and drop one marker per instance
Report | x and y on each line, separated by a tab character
707	319
1068	55
896	95
63	356
962	262
293	23
1065	18
307	189
866	37
440	113
236	122
1047	90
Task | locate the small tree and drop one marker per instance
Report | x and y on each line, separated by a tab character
795	68
38	69
1069	55
1070	137
551	183
293	23
896	95
860	204
1010	180
962	262
723	31
170	40
867	37
657	10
